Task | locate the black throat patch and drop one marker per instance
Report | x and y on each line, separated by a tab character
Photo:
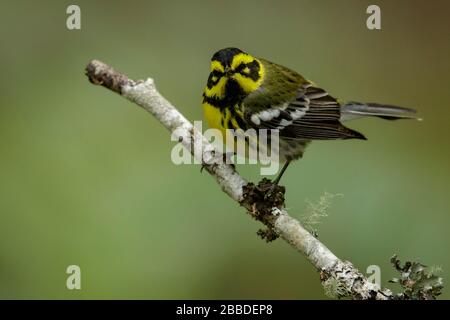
233	96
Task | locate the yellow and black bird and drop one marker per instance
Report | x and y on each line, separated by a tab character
245	92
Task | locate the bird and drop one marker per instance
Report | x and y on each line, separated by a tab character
246	92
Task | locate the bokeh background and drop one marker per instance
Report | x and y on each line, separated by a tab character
86	176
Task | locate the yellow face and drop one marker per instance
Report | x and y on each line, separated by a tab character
233	74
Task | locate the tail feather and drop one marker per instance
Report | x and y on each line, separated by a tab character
354	110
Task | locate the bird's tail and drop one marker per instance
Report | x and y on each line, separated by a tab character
354	110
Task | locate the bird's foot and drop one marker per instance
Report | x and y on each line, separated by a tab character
264	196
273	191
261	200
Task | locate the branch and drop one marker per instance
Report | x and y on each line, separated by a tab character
267	209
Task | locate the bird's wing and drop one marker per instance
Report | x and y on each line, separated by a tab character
312	115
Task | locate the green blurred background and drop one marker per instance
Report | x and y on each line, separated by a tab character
86	176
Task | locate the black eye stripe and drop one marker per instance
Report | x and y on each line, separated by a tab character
211	83
241	67
217	73
254	70
253	73
253	65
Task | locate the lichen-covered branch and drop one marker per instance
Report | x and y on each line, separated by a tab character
255	198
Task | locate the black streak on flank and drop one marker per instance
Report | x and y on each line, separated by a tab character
230	124
240	122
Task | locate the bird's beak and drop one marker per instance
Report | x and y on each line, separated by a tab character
228	71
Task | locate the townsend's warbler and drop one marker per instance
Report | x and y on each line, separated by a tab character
244	92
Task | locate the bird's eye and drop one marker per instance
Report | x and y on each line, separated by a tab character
217	73
214	78
243	68
240	67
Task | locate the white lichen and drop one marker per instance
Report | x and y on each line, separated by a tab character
317	211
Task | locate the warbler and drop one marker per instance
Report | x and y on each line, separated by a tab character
245	92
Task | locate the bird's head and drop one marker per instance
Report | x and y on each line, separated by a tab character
234	73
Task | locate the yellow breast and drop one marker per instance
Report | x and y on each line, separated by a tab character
215	118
